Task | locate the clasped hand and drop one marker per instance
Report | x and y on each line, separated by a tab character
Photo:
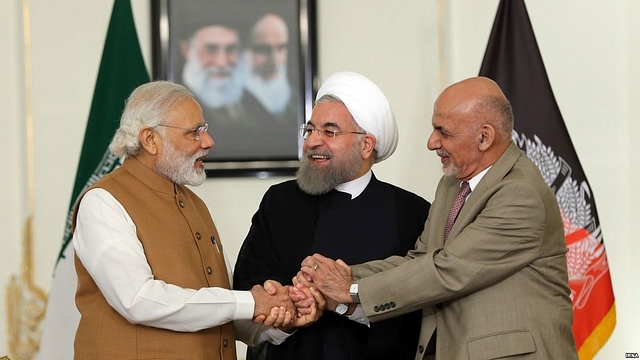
286	307
332	278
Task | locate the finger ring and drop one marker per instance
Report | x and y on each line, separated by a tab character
315	266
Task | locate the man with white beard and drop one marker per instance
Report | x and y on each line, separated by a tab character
265	70
210	70
153	278
213	71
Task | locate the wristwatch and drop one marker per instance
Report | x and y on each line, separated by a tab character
353	291
341	309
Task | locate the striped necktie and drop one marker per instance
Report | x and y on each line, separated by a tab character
455	209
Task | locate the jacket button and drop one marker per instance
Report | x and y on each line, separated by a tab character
420	349
198	236
225	343
209	271
393	305
387	306
376	309
181	203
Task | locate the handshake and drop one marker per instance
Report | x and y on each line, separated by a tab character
320	284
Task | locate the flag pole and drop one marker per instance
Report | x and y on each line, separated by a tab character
26	302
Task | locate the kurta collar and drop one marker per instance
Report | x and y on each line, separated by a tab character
148	176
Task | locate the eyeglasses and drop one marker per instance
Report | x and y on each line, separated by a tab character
197	131
306	130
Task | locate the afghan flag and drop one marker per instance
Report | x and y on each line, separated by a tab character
122	69
513	60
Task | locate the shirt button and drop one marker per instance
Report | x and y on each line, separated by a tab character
209	271
420	349
198	235
181	203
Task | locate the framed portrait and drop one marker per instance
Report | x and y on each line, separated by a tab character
251	65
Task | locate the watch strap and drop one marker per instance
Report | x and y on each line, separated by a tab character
353	291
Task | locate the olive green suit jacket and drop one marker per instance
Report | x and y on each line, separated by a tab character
499	287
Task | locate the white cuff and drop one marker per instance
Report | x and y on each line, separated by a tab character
246	305
359	316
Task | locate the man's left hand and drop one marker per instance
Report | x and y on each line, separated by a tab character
332	278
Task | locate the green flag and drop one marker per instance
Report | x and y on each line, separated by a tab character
122	69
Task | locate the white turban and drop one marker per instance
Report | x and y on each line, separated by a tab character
368	106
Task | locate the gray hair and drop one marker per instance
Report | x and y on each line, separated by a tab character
147	106
501	113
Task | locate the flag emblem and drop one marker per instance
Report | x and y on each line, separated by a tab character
586	259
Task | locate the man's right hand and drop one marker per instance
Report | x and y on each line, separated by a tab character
265	302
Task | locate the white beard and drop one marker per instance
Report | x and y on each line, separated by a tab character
178	167
273	94
213	92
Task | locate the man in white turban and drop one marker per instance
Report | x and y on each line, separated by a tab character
368	106
335	200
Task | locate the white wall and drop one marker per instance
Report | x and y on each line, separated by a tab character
589	48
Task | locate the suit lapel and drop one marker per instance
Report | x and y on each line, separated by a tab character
499	170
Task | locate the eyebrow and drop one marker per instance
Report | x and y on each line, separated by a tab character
325	125
195	126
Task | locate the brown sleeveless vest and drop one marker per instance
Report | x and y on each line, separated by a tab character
177	233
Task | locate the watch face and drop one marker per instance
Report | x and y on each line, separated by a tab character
341	309
353	289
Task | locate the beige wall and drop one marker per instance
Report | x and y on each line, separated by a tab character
589	48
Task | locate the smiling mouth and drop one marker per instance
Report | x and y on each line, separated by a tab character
319	158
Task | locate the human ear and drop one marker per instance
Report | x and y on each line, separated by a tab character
486	137
368	145
149	139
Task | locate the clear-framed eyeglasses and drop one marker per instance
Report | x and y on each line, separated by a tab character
306	130
197	131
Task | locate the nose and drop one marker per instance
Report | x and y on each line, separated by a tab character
314	139
433	142
206	141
